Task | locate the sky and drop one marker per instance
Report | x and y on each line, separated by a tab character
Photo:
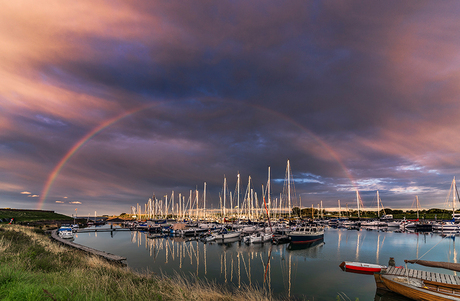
103	104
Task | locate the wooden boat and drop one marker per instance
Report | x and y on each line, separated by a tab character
421	285
417	289
362	267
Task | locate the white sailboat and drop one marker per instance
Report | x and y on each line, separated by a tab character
452	227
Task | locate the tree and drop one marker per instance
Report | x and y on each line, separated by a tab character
296	211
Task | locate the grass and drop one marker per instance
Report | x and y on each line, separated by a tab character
32	215
32	267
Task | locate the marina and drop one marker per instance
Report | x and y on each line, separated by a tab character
309	271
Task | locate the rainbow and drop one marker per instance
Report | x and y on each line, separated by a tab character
57	169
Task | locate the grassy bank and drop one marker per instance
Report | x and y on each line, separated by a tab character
32	215
34	268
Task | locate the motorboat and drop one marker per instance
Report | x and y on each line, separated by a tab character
225	234
193	231
259	237
306	234
281	236
65	232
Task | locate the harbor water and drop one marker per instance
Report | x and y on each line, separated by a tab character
308	272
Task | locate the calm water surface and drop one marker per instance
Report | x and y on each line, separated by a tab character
310	273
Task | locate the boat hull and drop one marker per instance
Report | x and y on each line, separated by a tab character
231	235
305	238
361	267
410	291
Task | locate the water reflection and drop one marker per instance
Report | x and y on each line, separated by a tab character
238	263
307	272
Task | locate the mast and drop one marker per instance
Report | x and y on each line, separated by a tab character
248	202
339	210
300	207
268	191
172	204
166	206
281	201
190	204
357	200
225	192
454	192
378	204
417	204
180	205
183	207
238	185
231	204
196	197
251	210
322	217
289	187
204	200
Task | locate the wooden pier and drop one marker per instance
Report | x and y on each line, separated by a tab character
424	275
84	230
108	256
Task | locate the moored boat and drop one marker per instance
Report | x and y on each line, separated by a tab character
65	232
421	285
259	237
417	289
306	234
361	267
225	234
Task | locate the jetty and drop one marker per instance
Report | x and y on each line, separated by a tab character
424	275
108	256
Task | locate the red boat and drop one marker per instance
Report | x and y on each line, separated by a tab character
361	267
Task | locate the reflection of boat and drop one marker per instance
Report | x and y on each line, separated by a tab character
370	268
386	295
155	235
228	240
306	234
305	246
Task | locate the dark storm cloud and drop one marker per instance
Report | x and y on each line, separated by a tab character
354	94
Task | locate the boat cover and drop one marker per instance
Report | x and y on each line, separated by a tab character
437	264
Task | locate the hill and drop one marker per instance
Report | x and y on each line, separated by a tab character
26	215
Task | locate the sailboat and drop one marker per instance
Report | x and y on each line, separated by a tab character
412	224
453	226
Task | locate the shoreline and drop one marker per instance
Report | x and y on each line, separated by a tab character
35	267
105	255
